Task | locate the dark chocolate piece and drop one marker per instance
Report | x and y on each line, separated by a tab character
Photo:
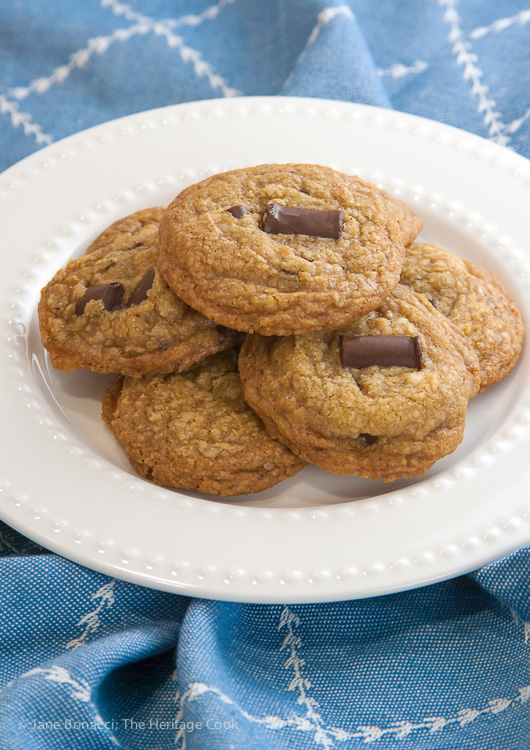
383	351
139	293
295	220
111	295
238	211
368	439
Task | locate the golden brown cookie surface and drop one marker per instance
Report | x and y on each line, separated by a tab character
371	421
409	222
111	311
139	224
474	300
242	275
194	431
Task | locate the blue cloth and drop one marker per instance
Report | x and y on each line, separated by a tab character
90	662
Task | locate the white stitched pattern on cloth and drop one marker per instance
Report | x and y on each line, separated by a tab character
518	621
312	722
142	25
91	621
180	737
299	683
76	61
501	24
324	17
462	50
499	131
367	733
120	9
78	690
24	120
187	54
399	70
514	125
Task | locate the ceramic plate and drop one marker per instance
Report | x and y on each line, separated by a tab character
66	483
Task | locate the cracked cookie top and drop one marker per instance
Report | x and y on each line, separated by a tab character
111	311
391	411
139	225
475	302
195	431
281	248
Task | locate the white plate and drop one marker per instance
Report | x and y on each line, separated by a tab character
65	483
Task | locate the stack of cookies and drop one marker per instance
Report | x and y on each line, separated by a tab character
276	316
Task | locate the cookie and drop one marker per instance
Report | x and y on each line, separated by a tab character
111	311
410	223
139	224
474	300
393	410
281	248
194	431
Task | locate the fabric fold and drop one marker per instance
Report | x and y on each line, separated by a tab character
336	62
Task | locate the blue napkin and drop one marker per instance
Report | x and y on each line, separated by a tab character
92	662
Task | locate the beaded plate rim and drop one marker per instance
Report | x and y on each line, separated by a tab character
235	574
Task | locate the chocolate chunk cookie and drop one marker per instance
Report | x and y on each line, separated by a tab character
194	431
139	225
384	408
474	300
281	248
111	311
410	223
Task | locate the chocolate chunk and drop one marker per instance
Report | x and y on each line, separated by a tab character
111	295
295	220
368	439
139	293
383	351
237	211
